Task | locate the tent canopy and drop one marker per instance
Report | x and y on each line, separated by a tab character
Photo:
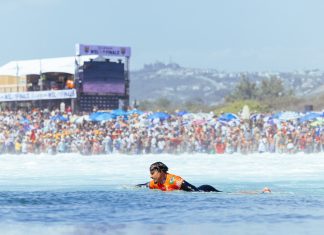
38	66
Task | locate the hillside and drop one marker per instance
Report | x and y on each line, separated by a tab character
210	86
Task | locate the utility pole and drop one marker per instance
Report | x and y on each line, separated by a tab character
17	77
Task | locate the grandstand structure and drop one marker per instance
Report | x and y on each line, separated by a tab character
95	78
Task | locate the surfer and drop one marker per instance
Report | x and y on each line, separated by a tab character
165	181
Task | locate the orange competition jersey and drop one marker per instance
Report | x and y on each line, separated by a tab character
172	182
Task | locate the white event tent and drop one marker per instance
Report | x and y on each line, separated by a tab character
38	66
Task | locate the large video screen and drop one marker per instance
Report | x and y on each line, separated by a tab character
103	77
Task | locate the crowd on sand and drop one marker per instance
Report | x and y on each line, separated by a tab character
41	132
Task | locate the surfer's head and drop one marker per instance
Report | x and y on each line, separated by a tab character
158	166
158	172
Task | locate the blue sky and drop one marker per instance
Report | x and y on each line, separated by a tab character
230	35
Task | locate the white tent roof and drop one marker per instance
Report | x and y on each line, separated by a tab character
25	67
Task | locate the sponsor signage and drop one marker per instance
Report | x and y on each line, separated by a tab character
38	95
82	49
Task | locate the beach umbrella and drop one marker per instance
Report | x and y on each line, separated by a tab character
104	117
276	115
181	113
318	122
253	117
228	117
118	112
256	116
93	116
135	111
310	117
100	116
269	120
159	115
286	116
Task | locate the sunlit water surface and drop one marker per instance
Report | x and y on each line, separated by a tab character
73	194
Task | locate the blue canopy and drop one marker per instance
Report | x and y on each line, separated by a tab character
135	111
256	116
276	115
181	113
270	121
160	115
118	112
227	117
310	116
286	116
100	116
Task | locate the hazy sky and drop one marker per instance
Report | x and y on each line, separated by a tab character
231	35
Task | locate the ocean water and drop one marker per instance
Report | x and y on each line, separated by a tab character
74	194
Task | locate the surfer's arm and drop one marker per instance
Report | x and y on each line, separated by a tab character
185	186
146	185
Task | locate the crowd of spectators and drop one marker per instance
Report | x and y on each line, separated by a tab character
42	132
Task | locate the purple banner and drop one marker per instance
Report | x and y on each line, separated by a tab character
82	49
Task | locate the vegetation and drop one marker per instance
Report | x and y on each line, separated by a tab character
236	106
268	96
245	90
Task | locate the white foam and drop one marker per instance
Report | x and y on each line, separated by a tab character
105	170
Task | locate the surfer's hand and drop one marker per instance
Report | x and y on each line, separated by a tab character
142	185
266	190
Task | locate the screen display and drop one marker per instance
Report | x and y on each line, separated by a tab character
103	77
